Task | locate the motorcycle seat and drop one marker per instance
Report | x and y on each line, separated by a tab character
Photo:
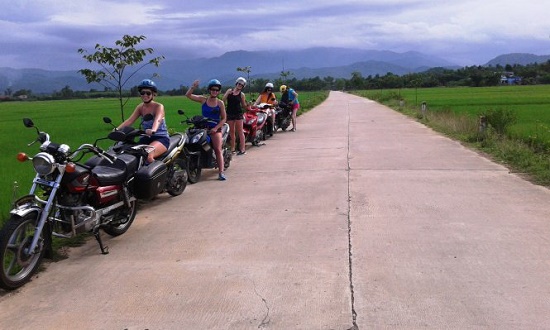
109	175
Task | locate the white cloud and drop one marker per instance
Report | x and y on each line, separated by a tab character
90	13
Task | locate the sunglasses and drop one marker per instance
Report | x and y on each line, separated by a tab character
214	90
269	89
240	84
146	93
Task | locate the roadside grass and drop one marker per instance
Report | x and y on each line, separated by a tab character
517	130
75	122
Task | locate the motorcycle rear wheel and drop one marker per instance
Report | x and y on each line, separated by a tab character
121	225
17	266
180	177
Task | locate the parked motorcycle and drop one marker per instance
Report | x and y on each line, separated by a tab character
174	158
270	111
69	197
199	151
283	116
255	124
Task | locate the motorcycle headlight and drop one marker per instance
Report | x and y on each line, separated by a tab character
197	137
43	163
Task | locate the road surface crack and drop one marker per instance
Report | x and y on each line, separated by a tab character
266	319
350	246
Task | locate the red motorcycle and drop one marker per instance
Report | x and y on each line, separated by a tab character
257	123
70	196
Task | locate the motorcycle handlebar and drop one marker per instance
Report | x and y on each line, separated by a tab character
95	150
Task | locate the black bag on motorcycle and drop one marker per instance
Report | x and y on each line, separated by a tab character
150	180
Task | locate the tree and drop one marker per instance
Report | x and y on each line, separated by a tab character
114	62
284	75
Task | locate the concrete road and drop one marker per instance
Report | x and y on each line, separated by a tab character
361	219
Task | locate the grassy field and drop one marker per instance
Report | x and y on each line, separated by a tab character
531	104
524	145
75	122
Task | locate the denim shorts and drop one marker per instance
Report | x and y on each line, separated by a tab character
162	139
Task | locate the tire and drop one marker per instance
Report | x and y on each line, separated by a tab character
123	220
285	124
193	170
177	184
227	159
17	267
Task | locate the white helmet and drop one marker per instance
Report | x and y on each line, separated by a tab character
269	85
241	80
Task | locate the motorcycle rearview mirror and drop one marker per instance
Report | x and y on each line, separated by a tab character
108	120
28	122
181	112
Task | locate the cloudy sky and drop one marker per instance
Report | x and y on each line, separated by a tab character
47	33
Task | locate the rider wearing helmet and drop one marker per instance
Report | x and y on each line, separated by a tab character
289	96
155	129
236	102
214	109
268	97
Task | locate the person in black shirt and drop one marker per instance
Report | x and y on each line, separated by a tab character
236	102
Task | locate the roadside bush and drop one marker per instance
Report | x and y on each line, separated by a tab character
500	119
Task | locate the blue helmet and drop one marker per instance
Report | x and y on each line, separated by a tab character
214	82
149	84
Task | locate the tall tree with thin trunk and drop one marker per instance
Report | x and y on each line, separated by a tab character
115	62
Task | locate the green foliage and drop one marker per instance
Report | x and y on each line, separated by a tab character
500	119
113	63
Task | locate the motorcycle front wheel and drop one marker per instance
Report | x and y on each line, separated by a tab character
123	220
193	170
18	265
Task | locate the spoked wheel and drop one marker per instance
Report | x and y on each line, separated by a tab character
18	263
123	220
193	170
179	178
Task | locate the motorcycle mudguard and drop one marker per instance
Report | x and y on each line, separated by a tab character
25	205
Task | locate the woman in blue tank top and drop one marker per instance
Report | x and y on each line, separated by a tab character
213	109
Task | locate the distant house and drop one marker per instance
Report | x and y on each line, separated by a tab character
508	78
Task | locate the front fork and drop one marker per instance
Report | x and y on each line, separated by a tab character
45	210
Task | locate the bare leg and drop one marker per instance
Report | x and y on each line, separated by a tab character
240	131
232	134
217	144
157	151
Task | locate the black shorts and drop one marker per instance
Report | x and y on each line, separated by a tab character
234	116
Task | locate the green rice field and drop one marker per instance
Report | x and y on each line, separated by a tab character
531	104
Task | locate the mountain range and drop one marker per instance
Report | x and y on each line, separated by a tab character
307	63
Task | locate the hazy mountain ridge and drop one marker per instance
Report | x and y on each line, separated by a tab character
518	58
307	63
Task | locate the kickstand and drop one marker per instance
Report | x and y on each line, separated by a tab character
104	249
